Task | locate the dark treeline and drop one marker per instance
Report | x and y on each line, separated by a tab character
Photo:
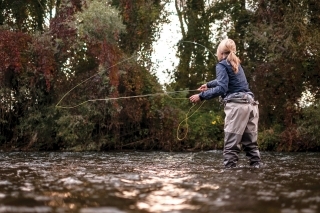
63	53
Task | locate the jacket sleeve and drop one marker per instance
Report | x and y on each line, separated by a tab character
221	87
212	83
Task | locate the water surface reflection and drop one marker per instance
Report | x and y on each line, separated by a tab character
157	182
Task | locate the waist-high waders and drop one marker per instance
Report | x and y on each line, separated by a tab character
240	129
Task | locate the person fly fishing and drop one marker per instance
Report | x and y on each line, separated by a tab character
241	110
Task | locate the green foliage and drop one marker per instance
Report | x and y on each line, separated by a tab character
24	15
82	54
195	49
50	128
38	129
99	21
308	128
269	139
206	130
195	127
283	45
302	137
173	111
62	59
74	131
142	18
278	43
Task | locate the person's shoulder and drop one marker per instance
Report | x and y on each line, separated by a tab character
223	64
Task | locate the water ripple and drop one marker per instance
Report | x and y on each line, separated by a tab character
135	182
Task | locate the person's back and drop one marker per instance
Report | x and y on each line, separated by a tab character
237	81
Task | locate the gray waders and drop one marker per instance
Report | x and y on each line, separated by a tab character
241	129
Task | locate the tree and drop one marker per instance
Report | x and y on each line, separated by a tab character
25	15
195	49
79	51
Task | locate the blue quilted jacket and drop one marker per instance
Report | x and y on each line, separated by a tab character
227	82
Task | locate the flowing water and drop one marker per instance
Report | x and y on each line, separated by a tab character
146	182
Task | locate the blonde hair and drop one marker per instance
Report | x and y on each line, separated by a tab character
228	47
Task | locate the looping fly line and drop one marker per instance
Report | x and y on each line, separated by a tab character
57	105
126	97
185	120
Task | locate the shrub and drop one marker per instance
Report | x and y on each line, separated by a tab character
308	128
269	139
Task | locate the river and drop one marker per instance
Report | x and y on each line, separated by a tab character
151	182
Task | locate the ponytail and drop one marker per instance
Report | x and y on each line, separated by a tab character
234	61
228	46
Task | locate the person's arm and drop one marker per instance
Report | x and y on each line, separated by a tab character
212	83
208	85
221	87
